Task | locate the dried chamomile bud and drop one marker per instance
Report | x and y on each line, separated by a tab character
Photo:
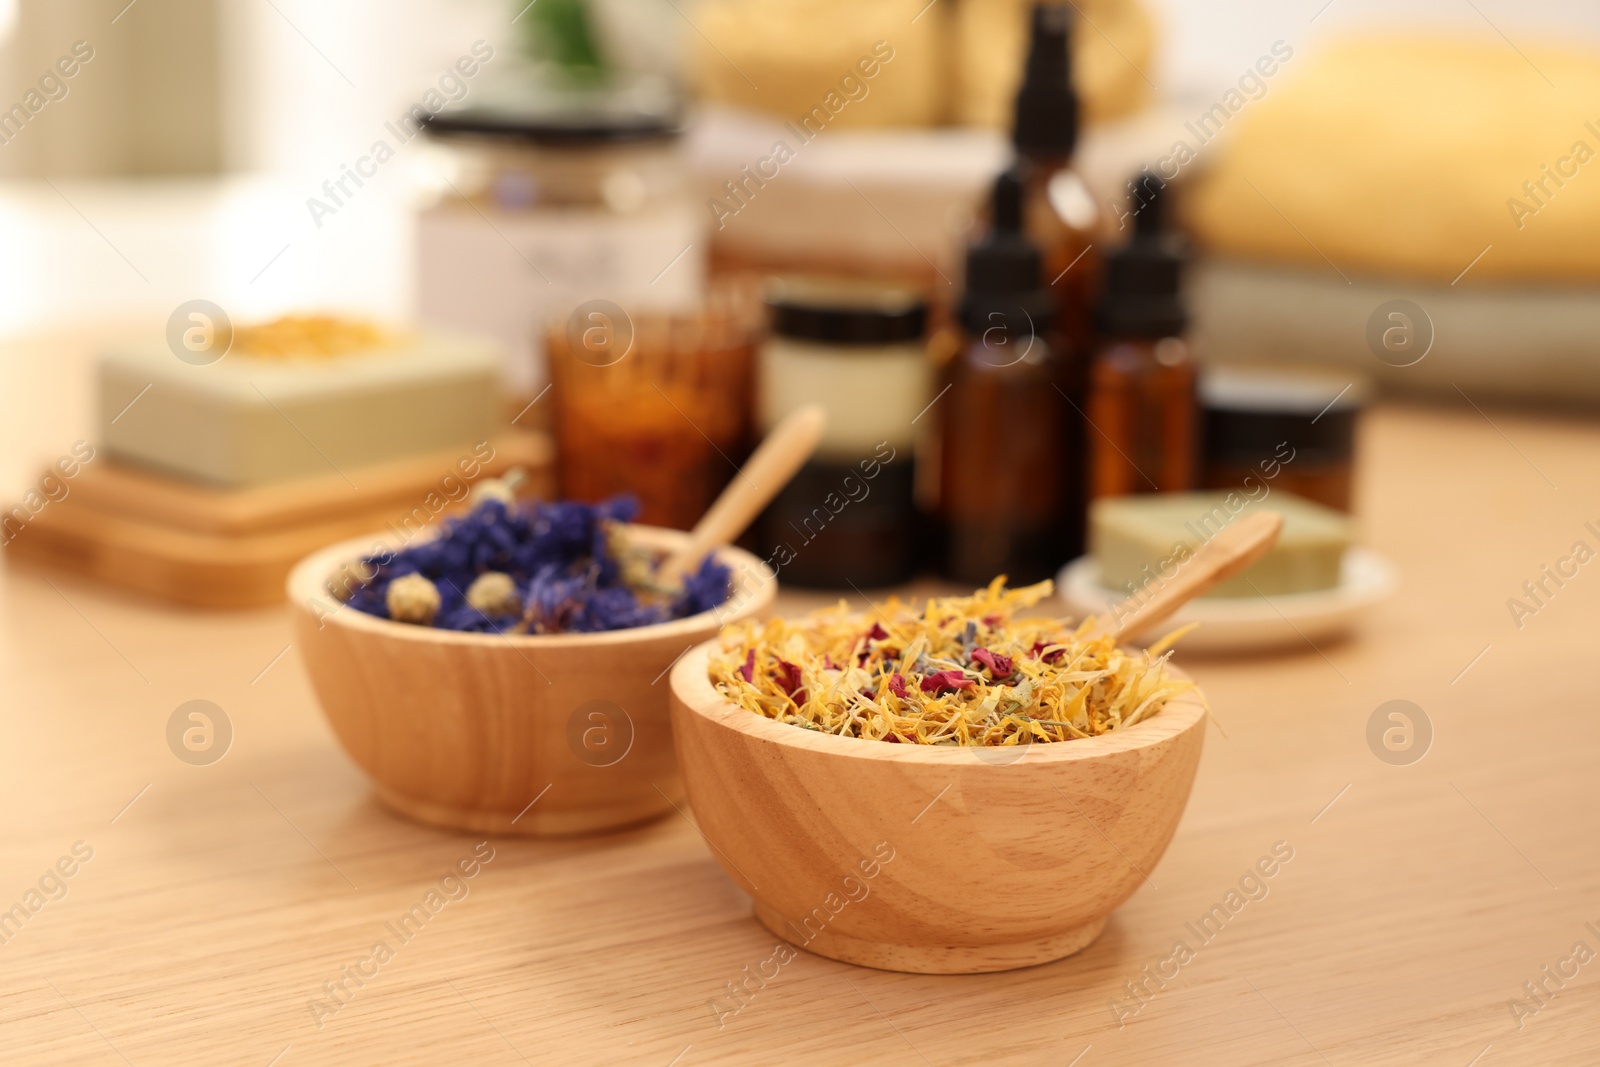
412	598
637	562
494	593
503	488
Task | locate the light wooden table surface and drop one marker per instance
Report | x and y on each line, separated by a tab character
1420	898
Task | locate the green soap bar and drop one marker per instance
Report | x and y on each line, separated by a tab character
1133	538
245	420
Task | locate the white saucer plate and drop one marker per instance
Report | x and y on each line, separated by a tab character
1234	624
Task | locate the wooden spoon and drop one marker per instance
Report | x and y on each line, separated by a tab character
787	446
1238	545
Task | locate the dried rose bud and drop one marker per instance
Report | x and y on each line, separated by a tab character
789	681
939	681
999	666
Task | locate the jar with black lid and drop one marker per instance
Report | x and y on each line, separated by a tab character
1293	429
856	348
551	196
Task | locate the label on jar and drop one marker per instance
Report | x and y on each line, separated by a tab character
511	274
871	395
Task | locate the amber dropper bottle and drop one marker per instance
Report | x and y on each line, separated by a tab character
1060	216
1142	422
1059	213
1003	505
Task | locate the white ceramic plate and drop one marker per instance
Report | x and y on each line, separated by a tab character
1229	624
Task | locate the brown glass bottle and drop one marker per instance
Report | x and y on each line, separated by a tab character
1059	214
1142	409
1003	500
1060	217
1142	405
1001	487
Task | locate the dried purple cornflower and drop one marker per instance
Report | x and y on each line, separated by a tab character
506	567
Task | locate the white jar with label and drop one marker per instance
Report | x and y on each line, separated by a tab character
550	202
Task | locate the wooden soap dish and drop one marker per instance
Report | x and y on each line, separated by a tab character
233	548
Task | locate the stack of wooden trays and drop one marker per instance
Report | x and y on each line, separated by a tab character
233	548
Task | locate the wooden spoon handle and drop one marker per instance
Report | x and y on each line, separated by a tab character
774	462
1238	545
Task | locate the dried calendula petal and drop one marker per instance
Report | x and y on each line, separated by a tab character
309	337
961	670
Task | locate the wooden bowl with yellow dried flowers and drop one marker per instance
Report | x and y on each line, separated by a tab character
948	790
952	789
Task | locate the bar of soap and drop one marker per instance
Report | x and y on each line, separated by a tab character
248	419
1135	539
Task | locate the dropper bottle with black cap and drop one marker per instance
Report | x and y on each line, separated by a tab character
1004	505
1142	384
1059	213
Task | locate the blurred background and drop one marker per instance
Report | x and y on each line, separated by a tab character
1397	199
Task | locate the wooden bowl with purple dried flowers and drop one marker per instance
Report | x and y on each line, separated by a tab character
508	673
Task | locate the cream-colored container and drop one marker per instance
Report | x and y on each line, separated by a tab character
872	393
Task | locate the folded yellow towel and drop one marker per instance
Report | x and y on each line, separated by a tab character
1413	156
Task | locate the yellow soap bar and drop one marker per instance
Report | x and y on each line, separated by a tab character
1139	541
